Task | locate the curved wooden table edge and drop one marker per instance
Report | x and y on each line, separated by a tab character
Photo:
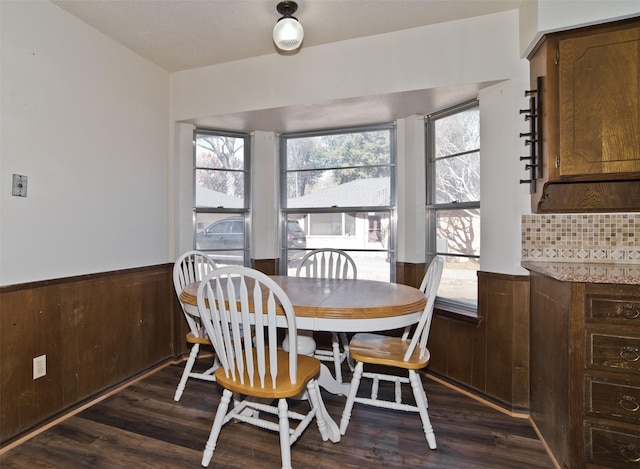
347	299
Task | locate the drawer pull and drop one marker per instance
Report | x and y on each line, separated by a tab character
630	453
630	311
629	403
630	354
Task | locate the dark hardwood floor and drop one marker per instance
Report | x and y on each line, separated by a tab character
142	427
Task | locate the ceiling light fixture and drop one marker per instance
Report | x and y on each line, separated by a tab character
288	32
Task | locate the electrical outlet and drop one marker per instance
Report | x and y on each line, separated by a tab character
39	366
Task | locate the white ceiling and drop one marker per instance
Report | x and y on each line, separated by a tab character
183	34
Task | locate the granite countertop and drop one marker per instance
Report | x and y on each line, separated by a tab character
587	272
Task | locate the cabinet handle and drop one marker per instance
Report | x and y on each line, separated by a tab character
629	403
630	311
630	453
630	354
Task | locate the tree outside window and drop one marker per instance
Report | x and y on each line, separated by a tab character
221	180
453	201
338	186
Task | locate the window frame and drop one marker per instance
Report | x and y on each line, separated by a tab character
391	209
432	208
243	211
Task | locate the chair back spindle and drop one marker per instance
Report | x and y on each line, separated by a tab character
327	263
231	297
429	286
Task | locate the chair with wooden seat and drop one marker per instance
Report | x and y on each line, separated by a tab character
330	263
252	364
191	267
397	352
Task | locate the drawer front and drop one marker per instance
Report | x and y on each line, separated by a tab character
614	311
611	352
611	447
612	400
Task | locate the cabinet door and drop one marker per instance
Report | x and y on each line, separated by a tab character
600	104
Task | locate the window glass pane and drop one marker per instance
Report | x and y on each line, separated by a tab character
335	151
323	224
330	174
219	188
454	178
458	179
457	133
362	187
219	151
223	235
459	280
458	232
365	232
221	182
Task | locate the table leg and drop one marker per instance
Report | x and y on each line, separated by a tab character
333	430
329	383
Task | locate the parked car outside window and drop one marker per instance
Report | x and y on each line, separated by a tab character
226	238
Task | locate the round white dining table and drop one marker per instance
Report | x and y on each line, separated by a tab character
343	305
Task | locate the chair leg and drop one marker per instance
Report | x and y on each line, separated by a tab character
337	362
285	445
345	347
421	401
185	373
351	398
221	413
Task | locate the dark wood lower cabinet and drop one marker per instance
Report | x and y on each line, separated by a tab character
585	371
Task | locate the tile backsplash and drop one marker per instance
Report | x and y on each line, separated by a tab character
581	237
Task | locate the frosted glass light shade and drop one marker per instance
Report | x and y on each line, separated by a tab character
288	33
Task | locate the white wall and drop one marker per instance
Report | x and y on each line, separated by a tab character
461	52
545	16
88	122
411	189
468	51
503	200
264	193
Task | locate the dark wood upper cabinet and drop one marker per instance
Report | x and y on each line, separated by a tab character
589	106
600	105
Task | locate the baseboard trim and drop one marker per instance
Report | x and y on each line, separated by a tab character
556	465
70	413
487	402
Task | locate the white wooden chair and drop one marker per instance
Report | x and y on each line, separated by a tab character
330	263
257	369
191	267
397	352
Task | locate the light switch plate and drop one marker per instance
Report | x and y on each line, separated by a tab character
19	188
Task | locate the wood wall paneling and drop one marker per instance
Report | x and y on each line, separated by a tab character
96	331
549	404
438	345
103	329
266	266
490	356
521	343
410	274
